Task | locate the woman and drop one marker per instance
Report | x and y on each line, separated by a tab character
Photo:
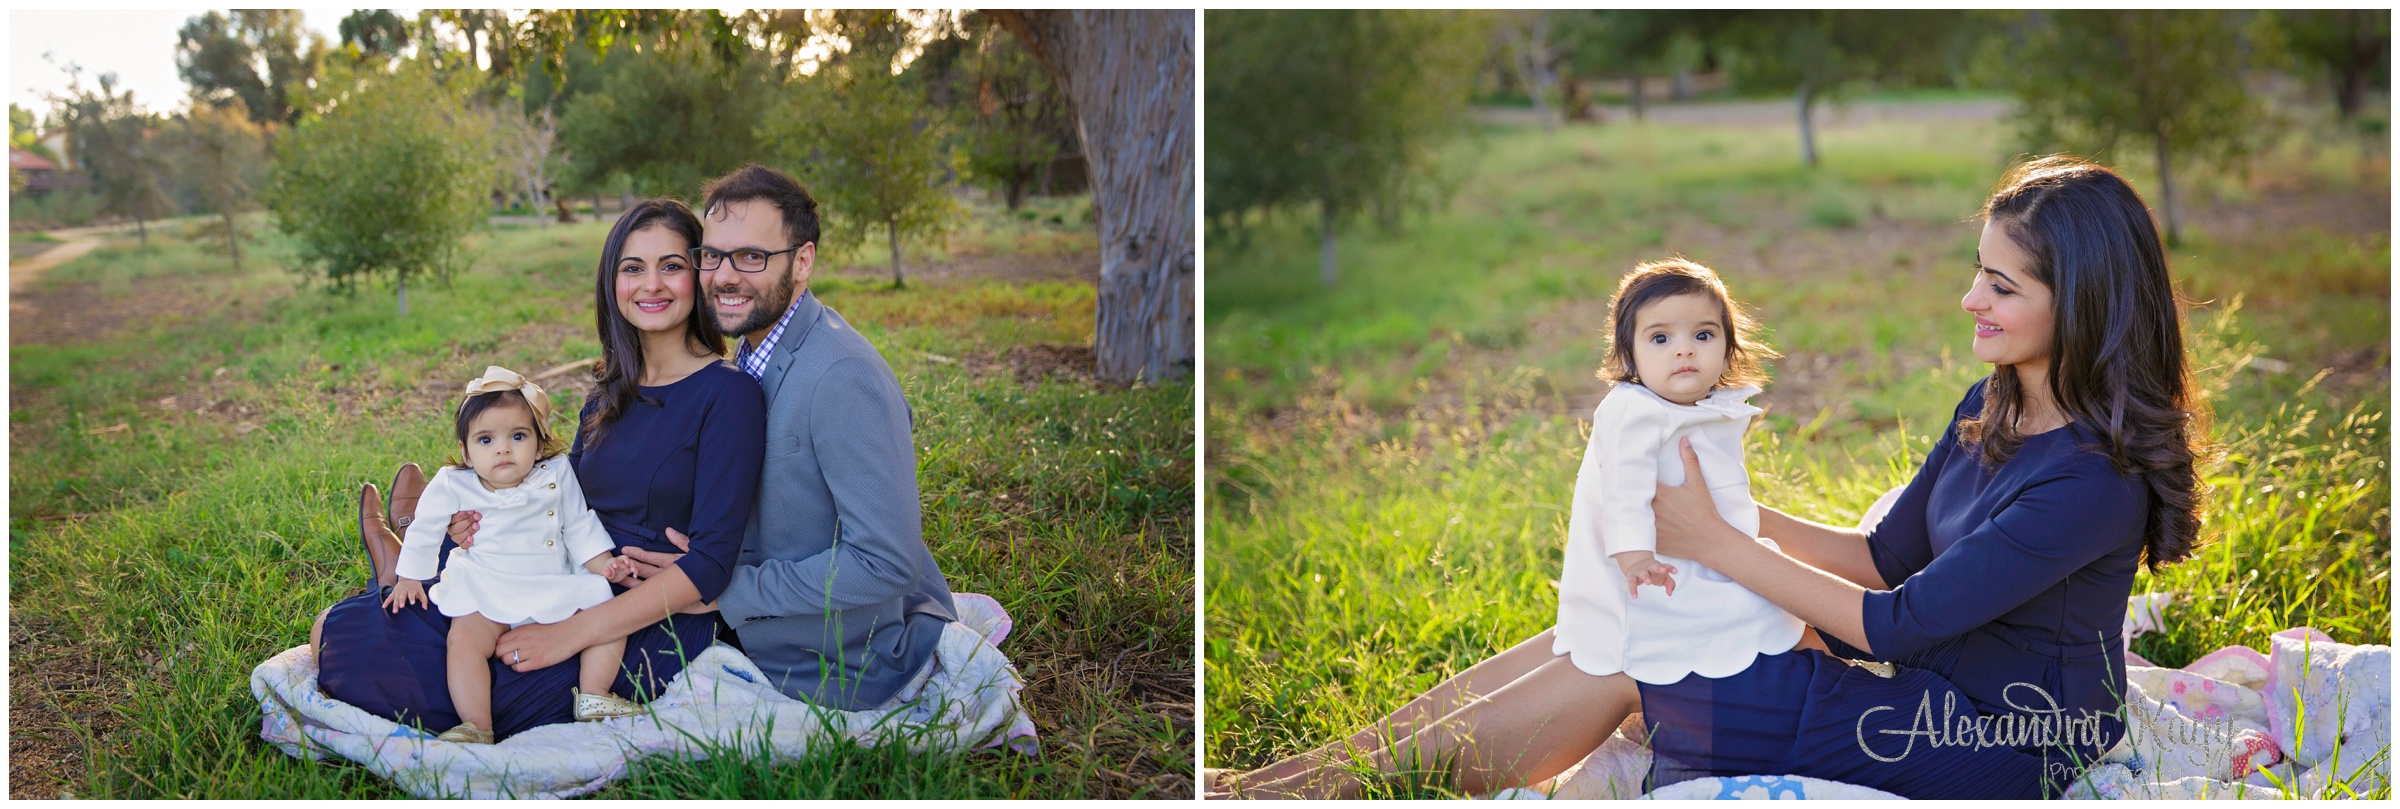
1995	587
670	443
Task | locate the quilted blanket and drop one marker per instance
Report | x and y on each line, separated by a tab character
720	703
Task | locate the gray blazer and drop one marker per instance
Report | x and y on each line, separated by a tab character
835	596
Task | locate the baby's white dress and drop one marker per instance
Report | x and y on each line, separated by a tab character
1711	625
530	546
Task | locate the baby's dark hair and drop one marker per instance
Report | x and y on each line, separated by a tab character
1653	281
475	406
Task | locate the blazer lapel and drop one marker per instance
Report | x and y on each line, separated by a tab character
806	311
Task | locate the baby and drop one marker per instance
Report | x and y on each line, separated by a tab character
540	554
1684	360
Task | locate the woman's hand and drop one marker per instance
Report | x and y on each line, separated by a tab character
647	563
538	646
462	527
1688	523
404	593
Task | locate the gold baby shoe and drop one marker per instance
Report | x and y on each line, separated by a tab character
598	707
466	733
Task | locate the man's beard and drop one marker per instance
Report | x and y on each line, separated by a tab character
765	308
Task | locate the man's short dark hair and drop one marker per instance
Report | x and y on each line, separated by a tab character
759	182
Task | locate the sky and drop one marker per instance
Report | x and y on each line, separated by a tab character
138	46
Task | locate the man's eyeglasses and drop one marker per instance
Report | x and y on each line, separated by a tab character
748	259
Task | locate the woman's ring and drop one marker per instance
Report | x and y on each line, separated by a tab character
519	655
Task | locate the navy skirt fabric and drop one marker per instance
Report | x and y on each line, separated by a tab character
1807	713
394	665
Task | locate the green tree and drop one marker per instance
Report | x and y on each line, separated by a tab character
25	132
220	57
1340	111
872	148
375	32
389	180
2175	79
222	153
1819	55
110	139
666	118
1018	119
2352	46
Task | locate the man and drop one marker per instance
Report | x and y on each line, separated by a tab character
835	595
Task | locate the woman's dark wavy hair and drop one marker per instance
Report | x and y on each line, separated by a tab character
1652	281
2117	364
617	379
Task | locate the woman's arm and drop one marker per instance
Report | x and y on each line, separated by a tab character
1839	551
542	645
1689	526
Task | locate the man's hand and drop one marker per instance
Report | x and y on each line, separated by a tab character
462	527
647	563
405	592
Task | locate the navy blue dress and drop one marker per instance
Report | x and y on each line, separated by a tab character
688	460
2003	627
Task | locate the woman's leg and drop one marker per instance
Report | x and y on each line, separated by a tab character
472	637
1478	680
600	664
1530	730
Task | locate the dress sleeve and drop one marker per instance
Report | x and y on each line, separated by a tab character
859	424
1901	545
1620	476
2056	526
421	548
585	536
732	449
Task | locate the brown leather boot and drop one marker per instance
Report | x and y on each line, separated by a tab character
407	485
383	546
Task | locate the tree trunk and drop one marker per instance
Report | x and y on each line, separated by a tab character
1808	131
1129	75
404	294
2350	89
233	238
596	204
1638	109
1016	192
565	214
2166	193
1328	265
893	229
1681	88
142	226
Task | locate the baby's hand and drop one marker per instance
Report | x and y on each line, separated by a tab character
405	592
1649	571
619	569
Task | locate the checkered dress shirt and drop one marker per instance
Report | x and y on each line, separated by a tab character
754	361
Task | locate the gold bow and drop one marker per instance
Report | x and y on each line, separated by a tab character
496	379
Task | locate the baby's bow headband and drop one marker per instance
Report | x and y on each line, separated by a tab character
496	379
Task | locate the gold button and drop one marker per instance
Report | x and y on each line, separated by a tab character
554	485
549	543
553	513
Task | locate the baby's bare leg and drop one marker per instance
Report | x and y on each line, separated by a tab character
600	665
472	638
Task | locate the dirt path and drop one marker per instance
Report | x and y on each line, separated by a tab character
22	274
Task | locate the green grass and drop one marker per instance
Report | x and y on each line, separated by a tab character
180	551
1390	460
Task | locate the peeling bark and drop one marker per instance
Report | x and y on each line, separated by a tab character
1129	75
